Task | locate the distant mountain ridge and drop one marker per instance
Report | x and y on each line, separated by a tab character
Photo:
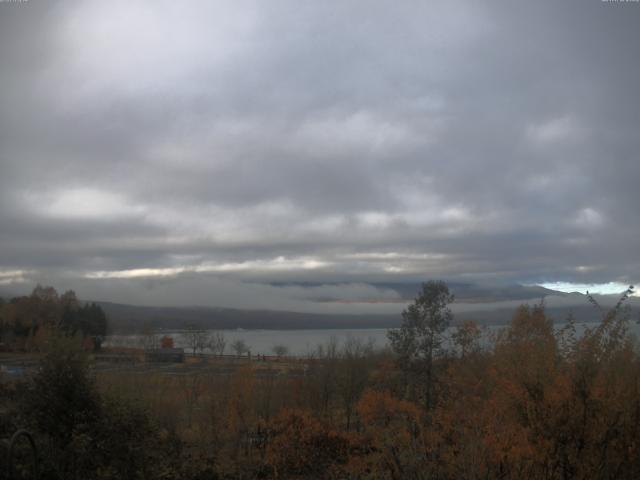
133	318
474	302
469	292
130	318
466	292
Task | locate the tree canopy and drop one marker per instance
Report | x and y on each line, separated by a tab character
420	337
27	322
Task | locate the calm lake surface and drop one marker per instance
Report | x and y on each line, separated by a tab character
300	342
261	342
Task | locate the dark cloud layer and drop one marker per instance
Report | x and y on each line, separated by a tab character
238	143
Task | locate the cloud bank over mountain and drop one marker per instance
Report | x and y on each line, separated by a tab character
203	151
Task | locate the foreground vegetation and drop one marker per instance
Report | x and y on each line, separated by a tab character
528	402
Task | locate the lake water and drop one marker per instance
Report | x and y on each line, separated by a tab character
261	342
298	342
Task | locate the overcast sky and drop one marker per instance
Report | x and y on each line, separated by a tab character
195	152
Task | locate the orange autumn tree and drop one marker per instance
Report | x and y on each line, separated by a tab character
544	403
522	373
391	445
303	447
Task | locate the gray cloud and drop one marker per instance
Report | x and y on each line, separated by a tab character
349	142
